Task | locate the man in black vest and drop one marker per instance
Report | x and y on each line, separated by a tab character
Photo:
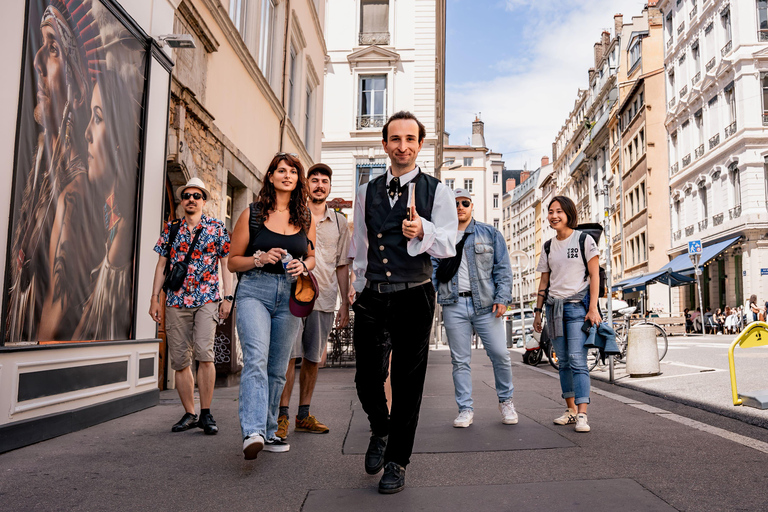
401	219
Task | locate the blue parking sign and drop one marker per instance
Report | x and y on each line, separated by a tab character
694	247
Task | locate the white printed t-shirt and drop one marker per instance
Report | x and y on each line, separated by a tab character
565	265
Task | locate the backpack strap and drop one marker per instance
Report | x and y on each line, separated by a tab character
582	243
255	220
547	247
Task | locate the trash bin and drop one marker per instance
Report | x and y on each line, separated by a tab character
642	352
508	331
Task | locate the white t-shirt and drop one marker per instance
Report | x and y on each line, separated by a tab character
464	284
565	265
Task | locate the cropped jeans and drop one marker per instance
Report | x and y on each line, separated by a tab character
267	330
459	320
572	354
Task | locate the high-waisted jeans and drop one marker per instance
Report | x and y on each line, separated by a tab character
572	354
267	330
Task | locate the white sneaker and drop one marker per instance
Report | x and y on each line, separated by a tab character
568	418
252	445
464	419
508	412
581	423
276	445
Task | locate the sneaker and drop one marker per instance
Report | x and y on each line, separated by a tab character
581	423
508	412
276	445
282	426
568	418
311	425
252	445
464	419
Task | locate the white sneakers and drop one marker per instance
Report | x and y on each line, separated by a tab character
508	412
252	445
568	418
581	423
464	419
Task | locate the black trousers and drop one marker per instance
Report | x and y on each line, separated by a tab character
399	323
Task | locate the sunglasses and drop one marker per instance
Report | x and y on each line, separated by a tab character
196	195
465	203
294	155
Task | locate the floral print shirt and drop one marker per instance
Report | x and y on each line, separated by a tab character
202	283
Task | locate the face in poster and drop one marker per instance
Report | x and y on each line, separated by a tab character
72	242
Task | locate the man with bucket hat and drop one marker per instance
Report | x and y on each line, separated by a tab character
193	246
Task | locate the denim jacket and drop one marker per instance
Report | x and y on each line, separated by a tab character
490	272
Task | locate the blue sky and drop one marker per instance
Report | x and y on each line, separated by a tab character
520	63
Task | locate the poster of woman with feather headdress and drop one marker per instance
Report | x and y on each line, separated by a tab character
72	242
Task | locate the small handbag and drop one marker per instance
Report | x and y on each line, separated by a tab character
303	295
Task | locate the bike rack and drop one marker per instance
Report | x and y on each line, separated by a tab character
755	335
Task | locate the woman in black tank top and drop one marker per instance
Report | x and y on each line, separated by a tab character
279	223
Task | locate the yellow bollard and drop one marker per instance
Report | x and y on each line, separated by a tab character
754	335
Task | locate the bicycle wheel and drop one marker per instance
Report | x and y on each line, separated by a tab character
553	357
593	357
621	341
662	343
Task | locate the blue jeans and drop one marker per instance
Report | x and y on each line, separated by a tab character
459	320
572	354
267	330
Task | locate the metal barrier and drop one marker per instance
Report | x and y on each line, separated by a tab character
755	335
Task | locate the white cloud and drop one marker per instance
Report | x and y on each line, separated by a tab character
526	103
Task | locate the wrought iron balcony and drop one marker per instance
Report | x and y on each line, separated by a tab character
372	121
765	118
699	151
694	11
676	235
671	103
714	141
710	65
617	238
369	38
696	78
726	49
674	169
730	129
684	90
762	35
680	28
717	219
686	160
669	43
735	212
703	224
688	230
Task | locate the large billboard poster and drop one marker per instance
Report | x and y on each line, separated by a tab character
74	213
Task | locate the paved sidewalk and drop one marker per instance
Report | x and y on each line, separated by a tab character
644	453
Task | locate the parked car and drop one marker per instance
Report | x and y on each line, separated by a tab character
514	326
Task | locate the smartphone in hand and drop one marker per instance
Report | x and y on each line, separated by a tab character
586	326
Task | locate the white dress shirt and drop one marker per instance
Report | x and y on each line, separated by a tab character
439	238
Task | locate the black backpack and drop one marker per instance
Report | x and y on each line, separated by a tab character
595	231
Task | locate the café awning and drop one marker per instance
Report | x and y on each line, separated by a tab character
682	264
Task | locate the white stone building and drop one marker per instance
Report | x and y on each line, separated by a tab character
717	96
383	57
523	234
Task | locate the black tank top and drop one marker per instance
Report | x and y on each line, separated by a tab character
295	244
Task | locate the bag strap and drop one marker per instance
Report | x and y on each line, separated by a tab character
173	232
188	258
582	243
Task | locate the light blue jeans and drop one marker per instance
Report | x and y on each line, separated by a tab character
572	354
267	330
459	320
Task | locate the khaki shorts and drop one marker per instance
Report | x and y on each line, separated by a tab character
191	330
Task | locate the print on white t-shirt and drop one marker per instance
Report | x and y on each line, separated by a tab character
567	275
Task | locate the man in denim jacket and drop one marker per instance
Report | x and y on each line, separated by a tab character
474	289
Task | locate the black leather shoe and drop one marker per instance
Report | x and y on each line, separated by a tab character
374	456
208	424
186	422
393	479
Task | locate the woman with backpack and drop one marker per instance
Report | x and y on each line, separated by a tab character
277	224
570	291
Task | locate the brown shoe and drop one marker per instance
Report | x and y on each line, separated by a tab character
282	426
311	425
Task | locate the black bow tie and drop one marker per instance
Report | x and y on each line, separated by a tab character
394	188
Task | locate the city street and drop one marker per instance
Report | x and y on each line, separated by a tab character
644	453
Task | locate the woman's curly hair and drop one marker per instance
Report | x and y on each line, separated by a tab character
297	205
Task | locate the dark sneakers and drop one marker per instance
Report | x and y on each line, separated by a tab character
374	456
393	479
186	422
208	424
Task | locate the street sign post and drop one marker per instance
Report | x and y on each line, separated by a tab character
694	252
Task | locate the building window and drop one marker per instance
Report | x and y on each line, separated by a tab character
372	108
309	118
238	14
450	183
730	100
266	37
374	22
677	220
764	83
292	84
635	53
495	177
725	17
762	20
703	199
467	161
367	170
468	185
736	184
495	200
496	223
449	161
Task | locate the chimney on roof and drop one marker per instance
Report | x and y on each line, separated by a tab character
606	39
618	23
478	133
598	53
591	71
510	184
544	161
524	175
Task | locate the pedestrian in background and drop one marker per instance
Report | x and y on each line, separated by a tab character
566	286
277	224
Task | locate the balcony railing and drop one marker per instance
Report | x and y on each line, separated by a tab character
671	103
688	230
369	38
693	11
765	118
714	141
372	121
699	151
730	129
680	28
676	235
687	160
703	224
674	168
696	78
617	238
762	35
710	65
735	212
717	219
726	49
684	90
